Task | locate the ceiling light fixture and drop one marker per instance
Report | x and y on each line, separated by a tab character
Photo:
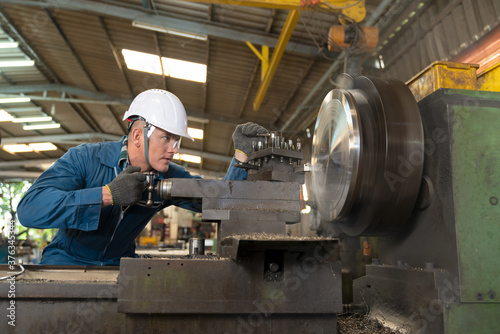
5	116
8	45
17	63
195	133
170	31
141	61
186	70
42	126
188	158
43	146
32	119
14	100
175	68
16	148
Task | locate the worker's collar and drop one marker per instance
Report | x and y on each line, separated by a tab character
109	153
123	159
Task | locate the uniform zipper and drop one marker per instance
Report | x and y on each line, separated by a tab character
122	212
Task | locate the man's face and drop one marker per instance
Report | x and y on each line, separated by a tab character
162	147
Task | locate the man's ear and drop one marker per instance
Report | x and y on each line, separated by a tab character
137	136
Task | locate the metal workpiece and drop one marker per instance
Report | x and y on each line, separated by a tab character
336	154
164	189
367	156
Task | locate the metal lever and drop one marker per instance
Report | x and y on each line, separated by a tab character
150	188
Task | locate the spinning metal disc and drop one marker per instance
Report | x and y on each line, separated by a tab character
367	156
336	151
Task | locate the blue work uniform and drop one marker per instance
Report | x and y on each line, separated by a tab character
68	196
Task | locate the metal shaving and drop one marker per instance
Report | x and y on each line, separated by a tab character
361	324
274	236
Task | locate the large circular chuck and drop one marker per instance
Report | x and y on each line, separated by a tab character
367	156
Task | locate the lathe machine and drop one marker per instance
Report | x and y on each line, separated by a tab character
424	178
259	281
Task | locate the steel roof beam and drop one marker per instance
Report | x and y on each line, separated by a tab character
64	89
61	138
81	63
36	162
204	27
118	59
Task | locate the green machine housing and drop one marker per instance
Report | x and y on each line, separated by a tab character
441	273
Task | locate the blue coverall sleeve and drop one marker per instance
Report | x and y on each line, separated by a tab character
235	173
61	197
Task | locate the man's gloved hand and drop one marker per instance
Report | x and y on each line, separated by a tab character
243	136
127	188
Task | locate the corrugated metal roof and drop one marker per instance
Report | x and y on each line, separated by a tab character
438	30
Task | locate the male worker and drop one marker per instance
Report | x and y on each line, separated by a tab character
92	194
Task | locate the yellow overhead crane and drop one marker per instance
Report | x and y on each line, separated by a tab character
353	10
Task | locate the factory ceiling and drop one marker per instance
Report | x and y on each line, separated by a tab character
77	76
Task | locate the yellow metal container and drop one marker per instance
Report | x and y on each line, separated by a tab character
148	241
441	74
489	80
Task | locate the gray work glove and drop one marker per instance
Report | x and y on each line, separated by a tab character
127	188
244	134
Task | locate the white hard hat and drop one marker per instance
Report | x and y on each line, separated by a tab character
161	109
